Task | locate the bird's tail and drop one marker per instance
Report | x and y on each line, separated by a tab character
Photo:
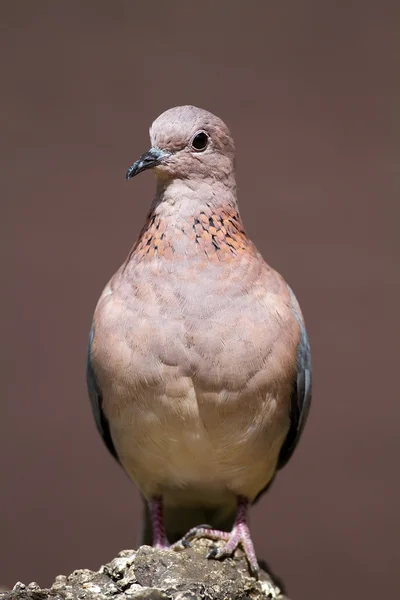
178	521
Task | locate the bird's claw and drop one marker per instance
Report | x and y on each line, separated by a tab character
197	532
238	536
192	534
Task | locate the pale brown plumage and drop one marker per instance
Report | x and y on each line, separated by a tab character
199	366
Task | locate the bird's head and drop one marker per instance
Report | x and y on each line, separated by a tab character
188	143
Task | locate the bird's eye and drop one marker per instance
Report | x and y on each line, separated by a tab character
200	141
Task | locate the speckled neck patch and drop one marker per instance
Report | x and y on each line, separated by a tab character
217	233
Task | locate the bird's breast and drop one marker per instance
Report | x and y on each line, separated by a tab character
196	380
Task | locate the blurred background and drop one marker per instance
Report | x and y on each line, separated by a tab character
310	91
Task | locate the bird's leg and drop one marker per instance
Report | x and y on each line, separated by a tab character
240	534
157	521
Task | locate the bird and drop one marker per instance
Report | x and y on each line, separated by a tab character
199	363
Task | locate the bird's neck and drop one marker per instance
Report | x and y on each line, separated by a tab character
200	221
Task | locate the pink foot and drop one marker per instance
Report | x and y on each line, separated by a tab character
240	534
160	540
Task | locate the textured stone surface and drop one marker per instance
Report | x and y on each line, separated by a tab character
150	574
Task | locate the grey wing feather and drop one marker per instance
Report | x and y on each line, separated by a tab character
96	401
301	396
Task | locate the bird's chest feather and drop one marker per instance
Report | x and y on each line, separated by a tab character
189	384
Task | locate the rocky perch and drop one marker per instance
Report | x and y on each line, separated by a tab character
150	574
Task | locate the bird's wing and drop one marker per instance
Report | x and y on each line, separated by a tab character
301	394
96	401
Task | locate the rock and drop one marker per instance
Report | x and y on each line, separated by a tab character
150	574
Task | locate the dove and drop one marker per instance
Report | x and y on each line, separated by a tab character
199	364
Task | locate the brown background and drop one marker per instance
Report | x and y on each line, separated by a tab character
310	91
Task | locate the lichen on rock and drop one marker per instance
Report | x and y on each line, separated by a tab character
151	574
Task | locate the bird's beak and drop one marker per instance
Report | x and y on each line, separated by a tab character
148	160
